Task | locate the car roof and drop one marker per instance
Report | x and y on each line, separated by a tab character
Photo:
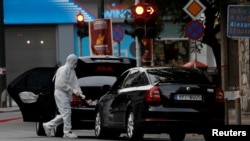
166	67
175	68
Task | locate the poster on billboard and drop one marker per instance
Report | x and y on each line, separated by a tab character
101	37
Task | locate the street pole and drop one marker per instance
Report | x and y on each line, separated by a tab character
119	49
195	54
237	106
137	46
2	50
80	46
101	9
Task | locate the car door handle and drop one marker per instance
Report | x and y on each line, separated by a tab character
41	93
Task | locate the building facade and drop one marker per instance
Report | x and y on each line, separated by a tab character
42	32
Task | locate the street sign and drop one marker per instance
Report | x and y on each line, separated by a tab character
238	21
194	8
194	30
118	33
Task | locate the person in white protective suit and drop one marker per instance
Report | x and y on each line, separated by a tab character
66	84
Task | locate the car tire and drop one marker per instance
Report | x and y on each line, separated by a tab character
100	132
103	133
39	129
207	136
133	132
58	131
177	136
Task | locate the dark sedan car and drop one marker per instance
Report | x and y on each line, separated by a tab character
33	91
171	100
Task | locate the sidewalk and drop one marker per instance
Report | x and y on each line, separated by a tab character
9	109
245	118
13	108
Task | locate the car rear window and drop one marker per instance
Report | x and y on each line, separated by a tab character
103	66
167	75
97	80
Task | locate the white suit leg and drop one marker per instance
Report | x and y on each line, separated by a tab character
66	115
55	122
64	107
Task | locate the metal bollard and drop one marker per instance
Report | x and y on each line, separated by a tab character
226	112
237	111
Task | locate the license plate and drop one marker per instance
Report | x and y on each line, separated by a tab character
188	97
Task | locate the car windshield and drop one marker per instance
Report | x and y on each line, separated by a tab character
177	75
96	80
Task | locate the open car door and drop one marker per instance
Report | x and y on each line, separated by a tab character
33	93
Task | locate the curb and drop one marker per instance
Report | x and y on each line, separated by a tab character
9	109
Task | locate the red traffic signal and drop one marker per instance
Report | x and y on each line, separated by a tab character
80	17
139	10
82	27
139	15
80	20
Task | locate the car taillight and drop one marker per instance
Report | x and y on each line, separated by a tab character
219	97
153	95
76	100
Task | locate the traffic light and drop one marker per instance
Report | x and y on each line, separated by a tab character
80	20
151	20
82	30
143	21
139	14
131	31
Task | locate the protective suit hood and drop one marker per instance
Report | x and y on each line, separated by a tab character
71	61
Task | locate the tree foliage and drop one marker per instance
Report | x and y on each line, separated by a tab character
172	11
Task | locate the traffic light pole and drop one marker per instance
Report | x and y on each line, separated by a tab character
80	32
137	46
138	52
80	46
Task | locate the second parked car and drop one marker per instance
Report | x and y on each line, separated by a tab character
171	100
33	91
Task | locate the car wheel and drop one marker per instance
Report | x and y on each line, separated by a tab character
177	136
133	132
39	129
100	132
58	131
207	136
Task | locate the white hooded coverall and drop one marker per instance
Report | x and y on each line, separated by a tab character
66	84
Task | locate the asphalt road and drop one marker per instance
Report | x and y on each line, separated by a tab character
12	128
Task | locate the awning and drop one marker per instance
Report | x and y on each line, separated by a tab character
192	64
